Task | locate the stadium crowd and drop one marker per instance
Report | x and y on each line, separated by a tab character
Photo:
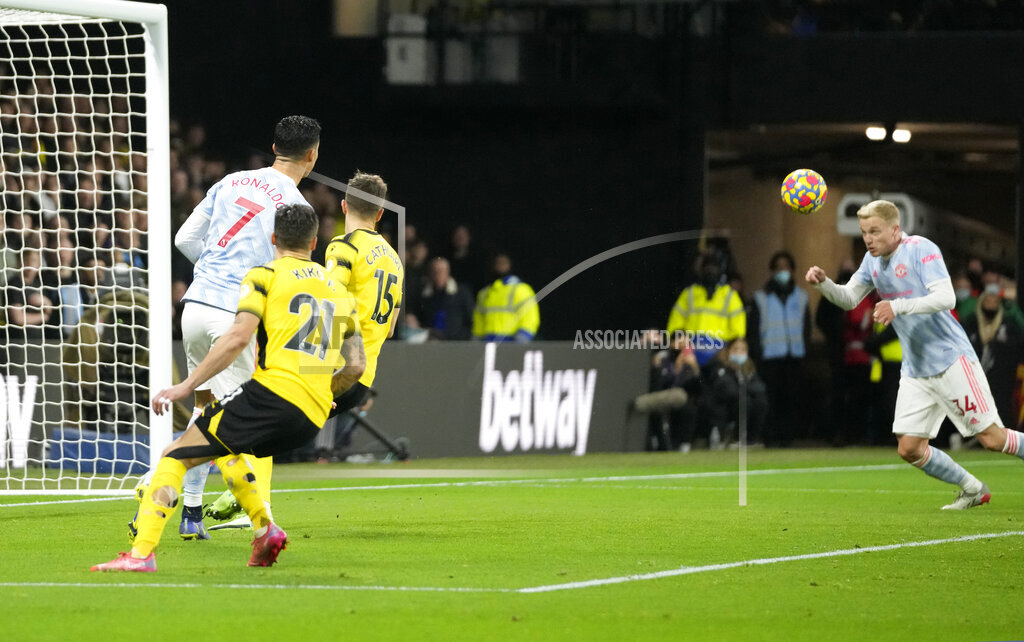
75	229
75	214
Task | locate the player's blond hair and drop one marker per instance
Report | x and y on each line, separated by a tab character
885	210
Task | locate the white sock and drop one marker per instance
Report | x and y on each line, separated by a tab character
195	478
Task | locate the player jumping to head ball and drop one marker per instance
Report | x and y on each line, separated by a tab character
941	375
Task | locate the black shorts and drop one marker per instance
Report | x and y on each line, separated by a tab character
255	421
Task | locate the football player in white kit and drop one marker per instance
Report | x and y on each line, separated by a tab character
941	376
227	235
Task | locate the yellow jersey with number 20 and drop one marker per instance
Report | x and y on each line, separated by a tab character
366	262
305	315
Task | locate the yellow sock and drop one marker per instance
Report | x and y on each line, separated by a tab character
153	513
264	469
242	482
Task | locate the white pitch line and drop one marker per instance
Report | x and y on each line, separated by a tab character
776	489
685	570
558	480
271	587
64	501
689	570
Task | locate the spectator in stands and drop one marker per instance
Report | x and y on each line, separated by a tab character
1007	290
886	364
416	266
675	368
710	313
9	261
975	270
8	125
129	239
324	200
724	377
466	264
195	139
28	309
140	180
445	307
60	286
847	333
965	299
989	279
999	343
178	289
94	278
20	232
195	165
505	309
89	217
780	337
324	234
181	201
737	284
40	199
411	235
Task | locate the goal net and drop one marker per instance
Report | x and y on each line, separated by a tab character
85	310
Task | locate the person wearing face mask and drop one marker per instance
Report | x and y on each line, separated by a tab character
941	373
781	319
966	300
999	343
723	376
709	312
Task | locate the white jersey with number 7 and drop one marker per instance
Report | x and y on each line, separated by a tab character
240	212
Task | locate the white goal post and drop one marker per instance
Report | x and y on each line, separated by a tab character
85	302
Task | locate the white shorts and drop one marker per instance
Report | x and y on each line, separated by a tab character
960	393
201	326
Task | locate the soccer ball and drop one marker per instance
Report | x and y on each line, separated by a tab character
804	190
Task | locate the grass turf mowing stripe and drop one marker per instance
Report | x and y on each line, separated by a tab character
556	480
689	570
547	588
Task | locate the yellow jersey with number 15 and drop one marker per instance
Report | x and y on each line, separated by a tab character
305	315
370	267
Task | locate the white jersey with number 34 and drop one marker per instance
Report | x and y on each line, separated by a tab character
240	209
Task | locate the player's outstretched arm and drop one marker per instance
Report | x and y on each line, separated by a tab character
355	364
221	355
845	296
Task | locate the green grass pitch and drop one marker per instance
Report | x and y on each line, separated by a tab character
520	548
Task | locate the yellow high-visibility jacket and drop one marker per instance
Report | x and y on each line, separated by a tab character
721	315
505	311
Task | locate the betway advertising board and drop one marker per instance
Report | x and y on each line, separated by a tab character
470	398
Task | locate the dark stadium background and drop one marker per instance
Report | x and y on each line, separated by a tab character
604	139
